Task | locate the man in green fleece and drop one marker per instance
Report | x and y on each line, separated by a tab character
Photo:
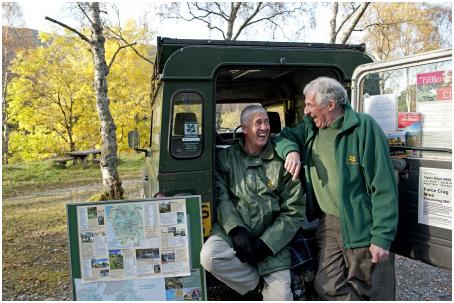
260	208
350	186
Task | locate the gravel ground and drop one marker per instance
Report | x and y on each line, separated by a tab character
415	281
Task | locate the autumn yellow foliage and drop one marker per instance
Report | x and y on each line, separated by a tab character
52	102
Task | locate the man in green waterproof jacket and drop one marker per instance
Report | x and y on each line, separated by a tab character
260	208
350	186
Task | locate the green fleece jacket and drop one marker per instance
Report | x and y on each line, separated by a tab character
257	193
368	206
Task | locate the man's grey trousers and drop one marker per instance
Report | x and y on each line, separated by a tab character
219	259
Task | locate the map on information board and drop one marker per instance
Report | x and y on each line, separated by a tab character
133	240
125	226
141	250
156	289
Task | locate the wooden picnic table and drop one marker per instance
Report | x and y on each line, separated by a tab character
81	156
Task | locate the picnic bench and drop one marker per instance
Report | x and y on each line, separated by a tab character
82	156
61	162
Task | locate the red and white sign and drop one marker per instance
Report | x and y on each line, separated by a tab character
405	119
430	78
444	93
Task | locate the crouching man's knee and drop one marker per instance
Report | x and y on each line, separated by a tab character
206	257
277	286
218	258
216	255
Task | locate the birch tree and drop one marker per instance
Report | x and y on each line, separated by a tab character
14	39
91	13
109	160
348	16
393	30
231	19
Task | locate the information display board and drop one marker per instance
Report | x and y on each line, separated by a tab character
137	250
435	197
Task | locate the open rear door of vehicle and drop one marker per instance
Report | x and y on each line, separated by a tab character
411	99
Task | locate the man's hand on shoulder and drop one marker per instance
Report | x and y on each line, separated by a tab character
378	254
293	164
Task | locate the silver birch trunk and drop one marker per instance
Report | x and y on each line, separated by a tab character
354	21
110	177
5	81
5	127
332	23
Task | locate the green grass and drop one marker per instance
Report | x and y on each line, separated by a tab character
34	176
34	236
35	258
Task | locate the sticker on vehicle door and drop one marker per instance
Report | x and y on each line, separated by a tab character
206	218
435	197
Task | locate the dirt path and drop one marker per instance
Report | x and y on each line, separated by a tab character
75	194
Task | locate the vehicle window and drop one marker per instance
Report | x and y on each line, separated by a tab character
186	134
280	109
228	116
419	99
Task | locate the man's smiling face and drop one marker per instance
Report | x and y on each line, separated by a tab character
321	114
257	130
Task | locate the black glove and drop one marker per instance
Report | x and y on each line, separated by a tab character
261	251
242	243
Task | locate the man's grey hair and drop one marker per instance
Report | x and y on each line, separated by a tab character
248	111
327	89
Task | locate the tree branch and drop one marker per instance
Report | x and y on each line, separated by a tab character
201	18
207	11
131	45
82	36
79	5
141	56
218	5
344	21
332	23
383	24
117	13
60	134
234	7
269	18
248	19
120	47
358	14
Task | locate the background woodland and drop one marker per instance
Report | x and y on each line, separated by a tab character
48	96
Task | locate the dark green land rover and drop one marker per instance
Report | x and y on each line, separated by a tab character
200	86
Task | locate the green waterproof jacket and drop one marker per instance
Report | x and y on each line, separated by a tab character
257	193
368	206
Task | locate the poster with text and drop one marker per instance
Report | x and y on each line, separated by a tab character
435	197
